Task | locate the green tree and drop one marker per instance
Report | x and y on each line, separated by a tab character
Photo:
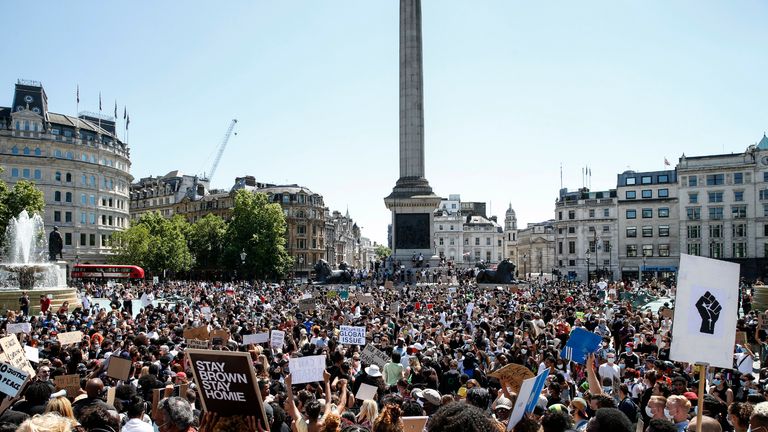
23	196
257	228
382	251
154	242
206	239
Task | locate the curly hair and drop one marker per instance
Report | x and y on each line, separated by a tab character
460	417
389	419
742	411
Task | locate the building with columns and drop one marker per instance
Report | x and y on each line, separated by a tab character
79	164
535	249
464	234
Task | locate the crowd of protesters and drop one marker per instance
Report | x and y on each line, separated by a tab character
443	341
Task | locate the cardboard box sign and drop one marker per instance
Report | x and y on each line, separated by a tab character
199	333
227	383
71	383
219	337
119	368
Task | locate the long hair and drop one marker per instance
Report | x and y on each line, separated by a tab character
389	420
368	411
61	406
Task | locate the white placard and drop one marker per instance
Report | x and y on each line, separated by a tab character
146	300
155	280
374	356
255	338
307	369
352	335
277	339
70	337
706	311
19	328
206	311
366	392
11	379
32	353
470	308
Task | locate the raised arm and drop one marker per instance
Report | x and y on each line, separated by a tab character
342	397
594	383
326	379
290	405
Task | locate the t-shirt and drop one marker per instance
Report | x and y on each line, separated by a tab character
392	372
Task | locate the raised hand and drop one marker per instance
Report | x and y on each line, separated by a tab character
709	310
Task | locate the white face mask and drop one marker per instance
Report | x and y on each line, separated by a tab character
611	360
523	351
648	411
667	414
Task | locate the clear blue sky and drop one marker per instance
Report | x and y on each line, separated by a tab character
512	89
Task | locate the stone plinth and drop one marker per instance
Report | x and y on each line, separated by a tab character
9	299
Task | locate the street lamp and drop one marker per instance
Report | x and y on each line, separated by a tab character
525	266
642	269
242	256
588	257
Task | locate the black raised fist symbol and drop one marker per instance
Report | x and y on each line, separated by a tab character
709	309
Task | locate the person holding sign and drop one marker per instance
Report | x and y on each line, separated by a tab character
313	421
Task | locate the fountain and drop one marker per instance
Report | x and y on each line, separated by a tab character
25	267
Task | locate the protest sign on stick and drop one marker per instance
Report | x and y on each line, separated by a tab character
307	369
119	368
513	374
11	379
277	339
352	335
227	383
70	383
706	311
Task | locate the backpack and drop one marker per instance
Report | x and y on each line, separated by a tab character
630	409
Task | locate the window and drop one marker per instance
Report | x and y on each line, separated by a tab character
92	239
631	231
645	180
14	172
82	240
57	176
647	231
93	200
663	212
93	218
739	211
591	246
715	197
715	231
765	176
25	173
84	180
739	230
765	210
571	230
606	228
591	229
68	197
57	196
571	214
663	193
715	250
68	177
15	150
606	212
647	213
647	250
57	216
477	241
631	214
738	196
571	263
715	179
738	178
631	250
571	247
38	174
693	197
560	248
663	250
441	241
630	181
631	194
694	231
740	250
68	217
487	241
663	178
68	239
694	249
560	215
38	152
663	230
715	213
83	199
83	218
646	193
591	213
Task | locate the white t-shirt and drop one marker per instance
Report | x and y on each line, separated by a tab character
607	370
744	362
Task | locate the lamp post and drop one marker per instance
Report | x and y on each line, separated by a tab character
610	266
243	255
588	257
525	266
642	269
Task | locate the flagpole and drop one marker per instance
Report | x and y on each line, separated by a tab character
77	108
700	403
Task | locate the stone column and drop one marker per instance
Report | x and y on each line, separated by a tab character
411	91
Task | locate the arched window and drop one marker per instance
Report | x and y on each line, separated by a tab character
70	155
69	177
57	176
57	153
15	150
57	196
26	151
38	152
26	125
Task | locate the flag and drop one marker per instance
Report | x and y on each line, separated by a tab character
125	112
706	310
581	343
78	93
666	162
527	398
99	101
127	121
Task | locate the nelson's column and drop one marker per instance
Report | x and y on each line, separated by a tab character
412	201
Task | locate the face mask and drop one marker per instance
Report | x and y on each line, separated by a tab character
716	382
728	419
607	389
611	360
667	414
648	411
628	350
559	366
695	410
524	351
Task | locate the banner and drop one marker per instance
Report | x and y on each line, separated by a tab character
227	383
374	356
352	335
277	339
527	398
255	338
706	311
11	379
18	328
581	343
307	369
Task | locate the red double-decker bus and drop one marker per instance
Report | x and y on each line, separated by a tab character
106	271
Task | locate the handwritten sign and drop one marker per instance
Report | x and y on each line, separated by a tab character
365	298
352	335
16	355
119	368
277	339
307	369
366	392
414	424
306	304
513	374
70	383
11	379
32	353
255	338
70	338
219	337
197	344
374	356
200	333
19	328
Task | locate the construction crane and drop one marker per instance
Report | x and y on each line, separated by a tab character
222	146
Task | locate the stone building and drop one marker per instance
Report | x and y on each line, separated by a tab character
535	249
648	230
79	163
510	237
162	194
586	234
346	240
465	235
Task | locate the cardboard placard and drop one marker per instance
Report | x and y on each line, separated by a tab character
307	304
69	338
227	383
11	379
741	338
15	355
18	328
70	383
307	369
277	339
255	338
414	424
197	344
374	356
199	333
352	335
513	374
365	298
119	368
666	313
219	337
111	392
366	392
